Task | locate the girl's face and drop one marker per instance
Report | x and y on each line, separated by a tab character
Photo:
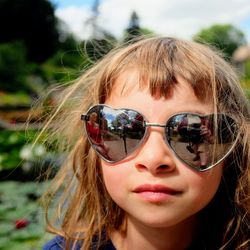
152	186
93	117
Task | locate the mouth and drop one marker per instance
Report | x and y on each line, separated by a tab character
156	193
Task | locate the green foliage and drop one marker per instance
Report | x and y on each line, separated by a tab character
226	38
246	85
95	49
16	73
134	30
15	99
34	23
21	160
68	54
66	64
248	93
56	74
12	66
11	144
67	42
66	59
146	32
20	201
247	71
245	80
27	66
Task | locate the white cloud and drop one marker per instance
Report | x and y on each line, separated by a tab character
75	18
181	18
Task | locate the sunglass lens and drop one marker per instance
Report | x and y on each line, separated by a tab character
198	142
114	133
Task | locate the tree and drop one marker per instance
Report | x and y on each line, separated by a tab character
33	22
95	49
224	37
134	30
12	67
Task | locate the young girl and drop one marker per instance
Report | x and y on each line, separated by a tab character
148	191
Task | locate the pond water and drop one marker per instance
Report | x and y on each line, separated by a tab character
22	224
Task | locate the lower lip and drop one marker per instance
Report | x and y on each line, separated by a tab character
155	196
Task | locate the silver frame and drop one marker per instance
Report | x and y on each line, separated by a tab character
151	124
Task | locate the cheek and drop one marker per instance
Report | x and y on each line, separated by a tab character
203	185
115	179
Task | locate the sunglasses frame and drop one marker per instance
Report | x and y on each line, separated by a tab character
85	118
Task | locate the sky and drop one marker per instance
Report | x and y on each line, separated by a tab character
178	18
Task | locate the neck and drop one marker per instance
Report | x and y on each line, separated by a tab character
138	236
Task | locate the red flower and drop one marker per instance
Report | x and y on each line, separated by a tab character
21	223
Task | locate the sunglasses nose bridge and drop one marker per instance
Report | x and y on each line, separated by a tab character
152	124
159	125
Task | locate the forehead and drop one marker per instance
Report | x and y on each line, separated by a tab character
130	91
131	80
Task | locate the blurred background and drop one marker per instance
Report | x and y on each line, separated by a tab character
45	43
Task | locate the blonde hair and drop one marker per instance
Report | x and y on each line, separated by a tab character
77	194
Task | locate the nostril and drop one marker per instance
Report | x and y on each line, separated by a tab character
155	168
141	167
163	167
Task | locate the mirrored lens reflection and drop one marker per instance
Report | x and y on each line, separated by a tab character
114	133
196	140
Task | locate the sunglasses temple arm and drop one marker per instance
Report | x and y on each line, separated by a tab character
84	117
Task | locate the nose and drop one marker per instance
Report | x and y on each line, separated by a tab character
155	156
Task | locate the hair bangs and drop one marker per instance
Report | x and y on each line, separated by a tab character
160	62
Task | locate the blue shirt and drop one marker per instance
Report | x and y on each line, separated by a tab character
58	243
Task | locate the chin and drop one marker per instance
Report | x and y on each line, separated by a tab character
159	222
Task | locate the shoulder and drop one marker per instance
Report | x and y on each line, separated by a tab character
57	243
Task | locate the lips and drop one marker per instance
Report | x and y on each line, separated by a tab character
155	189
156	193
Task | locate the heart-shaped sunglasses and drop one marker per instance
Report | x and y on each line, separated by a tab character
200	141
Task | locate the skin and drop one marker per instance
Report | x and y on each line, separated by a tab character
169	223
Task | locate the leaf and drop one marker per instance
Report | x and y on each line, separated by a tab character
5	229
